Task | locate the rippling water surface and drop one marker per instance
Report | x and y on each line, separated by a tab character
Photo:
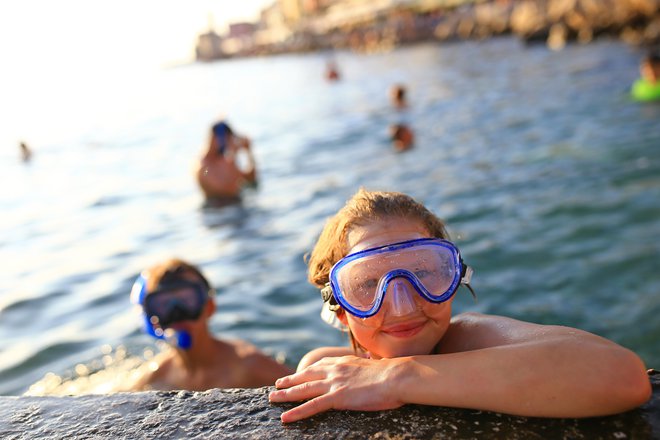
546	173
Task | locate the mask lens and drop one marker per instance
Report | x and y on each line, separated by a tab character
175	303
358	282
435	268
433	263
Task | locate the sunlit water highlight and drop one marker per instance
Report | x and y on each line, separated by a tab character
547	174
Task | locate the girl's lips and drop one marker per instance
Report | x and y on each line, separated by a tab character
404	329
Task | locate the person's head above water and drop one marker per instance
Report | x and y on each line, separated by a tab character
402	137
176	301
388	272
398	95
650	67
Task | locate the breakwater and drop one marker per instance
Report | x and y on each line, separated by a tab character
245	413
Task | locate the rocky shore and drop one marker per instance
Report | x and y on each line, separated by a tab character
245	413
554	22
557	21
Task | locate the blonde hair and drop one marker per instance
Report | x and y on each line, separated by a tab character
363	208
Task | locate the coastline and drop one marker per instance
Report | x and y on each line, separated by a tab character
551	22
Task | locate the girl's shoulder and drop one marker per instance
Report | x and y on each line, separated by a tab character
473	331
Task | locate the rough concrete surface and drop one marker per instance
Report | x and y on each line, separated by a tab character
246	413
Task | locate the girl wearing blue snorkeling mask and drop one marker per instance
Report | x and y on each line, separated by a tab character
176	302
388	275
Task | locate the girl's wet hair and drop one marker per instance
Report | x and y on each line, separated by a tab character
363	208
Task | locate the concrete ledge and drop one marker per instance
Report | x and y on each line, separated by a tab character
245	413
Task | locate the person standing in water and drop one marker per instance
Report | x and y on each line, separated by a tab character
26	153
398	96
401	135
176	302
647	86
218	174
388	274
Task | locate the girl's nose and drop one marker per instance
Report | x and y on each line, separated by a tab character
401	301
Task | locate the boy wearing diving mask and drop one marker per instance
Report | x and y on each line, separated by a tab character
176	302
387	275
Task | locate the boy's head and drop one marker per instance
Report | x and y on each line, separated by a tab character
174	295
365	207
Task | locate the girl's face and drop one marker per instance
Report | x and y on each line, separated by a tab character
388	334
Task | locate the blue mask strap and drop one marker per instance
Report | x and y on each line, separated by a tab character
220	133
182	339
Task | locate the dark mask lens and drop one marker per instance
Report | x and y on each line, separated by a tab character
172	304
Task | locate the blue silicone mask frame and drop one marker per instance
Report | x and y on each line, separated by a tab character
461	275
182	339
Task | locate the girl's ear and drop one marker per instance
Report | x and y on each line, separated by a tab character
341	315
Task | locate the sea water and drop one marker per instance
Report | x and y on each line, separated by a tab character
546	172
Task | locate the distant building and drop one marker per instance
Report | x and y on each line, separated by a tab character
241	30
209	47
273	30
240	37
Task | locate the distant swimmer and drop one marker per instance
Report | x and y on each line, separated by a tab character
402	137
398	96
26	153
218	174
176	302
331	71
647	87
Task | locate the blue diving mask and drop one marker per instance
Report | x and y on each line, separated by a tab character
170	303
431	267
221	131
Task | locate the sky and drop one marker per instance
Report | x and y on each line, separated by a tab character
52	52
141	31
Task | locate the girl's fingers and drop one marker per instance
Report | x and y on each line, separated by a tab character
307	390
306	375
307	409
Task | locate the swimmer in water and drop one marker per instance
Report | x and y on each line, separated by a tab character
176	302
388	274
26	153
218	173
402	137
398	96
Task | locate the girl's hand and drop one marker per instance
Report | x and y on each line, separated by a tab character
347	382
